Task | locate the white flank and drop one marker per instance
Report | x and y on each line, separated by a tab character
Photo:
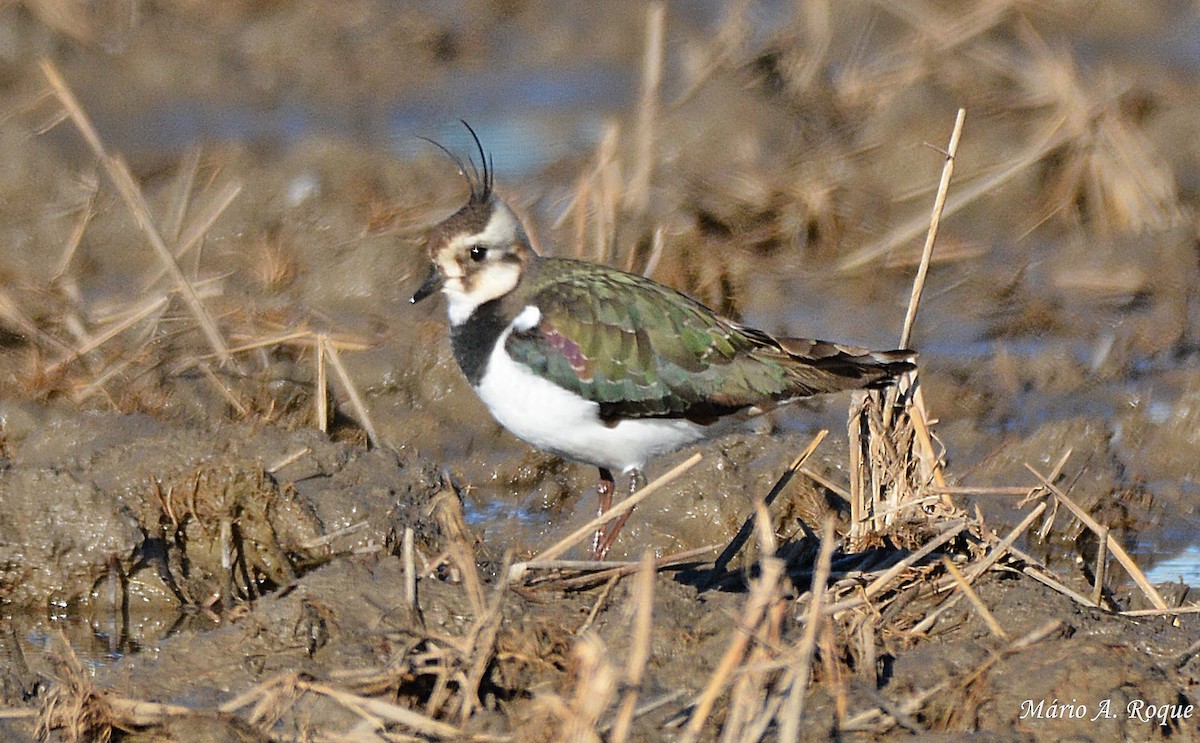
545	415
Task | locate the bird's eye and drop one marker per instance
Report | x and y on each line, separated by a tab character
478	252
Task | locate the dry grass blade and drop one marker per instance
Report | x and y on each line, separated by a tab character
762	593
1113	545
564	544
119	173
639	651
92	184
181	195
447	509
594	572
950	532
793	709
145	311
407	551
1189	609
1043	577
356	401
73	704
201	224
961	581
638	194
1100	568
12	317
483	643
964	196
596	685
321	393
377	711
743	535
935	220
1000	549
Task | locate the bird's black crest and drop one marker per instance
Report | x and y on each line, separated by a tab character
479	177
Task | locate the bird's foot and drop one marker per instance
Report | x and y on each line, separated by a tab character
604	537
604	492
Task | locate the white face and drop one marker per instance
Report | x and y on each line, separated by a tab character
481	266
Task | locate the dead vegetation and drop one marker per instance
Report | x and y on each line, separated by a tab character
818	616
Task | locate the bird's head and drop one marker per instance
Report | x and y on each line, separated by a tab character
478	252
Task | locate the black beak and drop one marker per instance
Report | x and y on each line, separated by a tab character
432	283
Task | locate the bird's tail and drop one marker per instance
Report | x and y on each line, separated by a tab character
832	366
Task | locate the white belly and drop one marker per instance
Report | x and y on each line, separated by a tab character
551	418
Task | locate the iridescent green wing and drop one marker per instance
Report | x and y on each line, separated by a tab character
640	349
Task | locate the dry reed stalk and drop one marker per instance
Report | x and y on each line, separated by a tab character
447	510
81	395
356	401
119	173
92	184
879	584
321	392
147	309
482	644
300	339
743	535
606	568
656	250
273	699
224	390
1023	642
181	195
598	604
929	464
200	226
378	713
611	569
606	195
1189	609
287	459
639	650
750	691
73	704
885	475
998	551
963	197
1114	546
733	30
12	316
595	687
329	538
578	210
625	505
754	699
1003	546
763	592
1100	568
1043	576
793	709
984	613
935	220
978	490
410	572
637	196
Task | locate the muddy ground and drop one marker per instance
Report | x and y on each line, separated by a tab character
185	555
